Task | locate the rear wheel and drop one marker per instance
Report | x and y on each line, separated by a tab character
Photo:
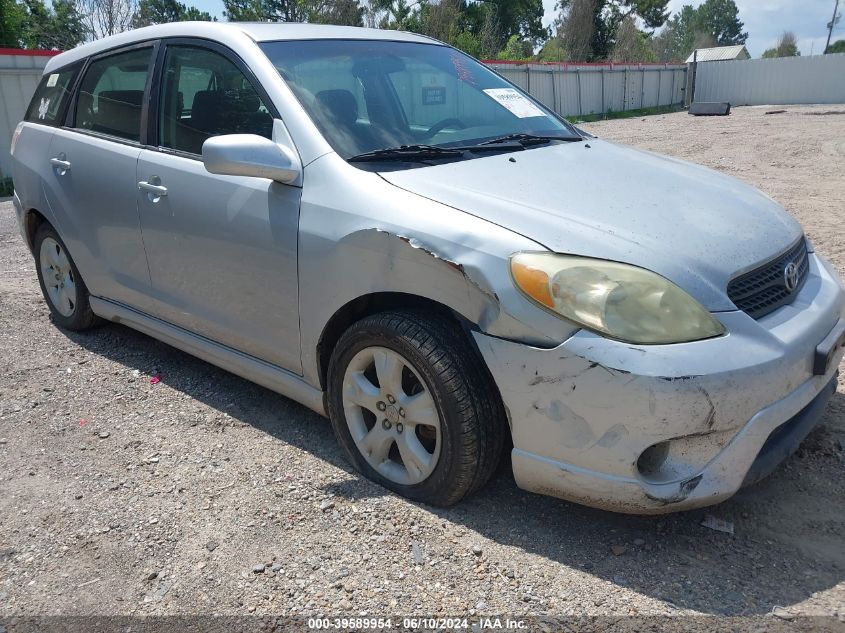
62	286
414	408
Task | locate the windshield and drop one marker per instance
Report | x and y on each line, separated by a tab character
367	95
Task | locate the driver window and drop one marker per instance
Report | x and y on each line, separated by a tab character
429	96
204	95
334	86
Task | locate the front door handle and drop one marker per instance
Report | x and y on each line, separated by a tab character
62	165
156	190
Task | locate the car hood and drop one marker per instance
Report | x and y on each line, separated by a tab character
690	224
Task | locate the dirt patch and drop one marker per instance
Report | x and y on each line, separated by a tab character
203	492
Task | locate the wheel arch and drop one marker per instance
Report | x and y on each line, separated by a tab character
32	219
374	303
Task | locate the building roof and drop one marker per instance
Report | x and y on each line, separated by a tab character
719	53
231	32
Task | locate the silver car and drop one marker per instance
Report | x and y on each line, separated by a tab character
377	226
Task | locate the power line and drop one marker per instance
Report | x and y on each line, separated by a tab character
830	26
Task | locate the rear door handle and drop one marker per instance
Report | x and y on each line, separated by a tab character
157	190
63	165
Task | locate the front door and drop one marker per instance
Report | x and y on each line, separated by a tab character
222	250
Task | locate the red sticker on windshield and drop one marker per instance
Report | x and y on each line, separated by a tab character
464	73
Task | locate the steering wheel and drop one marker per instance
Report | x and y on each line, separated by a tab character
442	125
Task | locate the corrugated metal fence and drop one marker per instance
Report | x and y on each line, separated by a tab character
581	89
19	74
569	89
785	80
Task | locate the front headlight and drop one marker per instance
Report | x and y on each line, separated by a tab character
618	300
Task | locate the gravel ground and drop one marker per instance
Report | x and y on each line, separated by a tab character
205	493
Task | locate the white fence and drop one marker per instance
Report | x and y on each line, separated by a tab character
581	89
569	89
19	74
785	80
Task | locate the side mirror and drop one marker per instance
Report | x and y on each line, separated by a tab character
250	155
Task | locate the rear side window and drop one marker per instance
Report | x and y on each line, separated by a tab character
204	95
50	96
111	94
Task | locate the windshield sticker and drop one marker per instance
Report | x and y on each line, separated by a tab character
43	108
433	95
52	79
464	73
515	102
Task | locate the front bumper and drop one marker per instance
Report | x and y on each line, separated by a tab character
583	414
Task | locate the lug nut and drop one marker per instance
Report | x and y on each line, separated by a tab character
402	412
386	424
381	406
391	399
399	427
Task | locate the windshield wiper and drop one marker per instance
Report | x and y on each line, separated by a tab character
530	139
408	152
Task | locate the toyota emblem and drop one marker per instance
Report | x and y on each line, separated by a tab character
790	276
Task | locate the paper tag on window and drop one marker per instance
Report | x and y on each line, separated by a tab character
515	102
52	79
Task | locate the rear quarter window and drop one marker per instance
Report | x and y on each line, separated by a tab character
51	96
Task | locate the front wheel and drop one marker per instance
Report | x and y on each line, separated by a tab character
414	408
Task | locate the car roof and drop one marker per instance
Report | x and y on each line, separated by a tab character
232	33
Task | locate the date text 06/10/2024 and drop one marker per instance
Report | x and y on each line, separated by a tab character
411	623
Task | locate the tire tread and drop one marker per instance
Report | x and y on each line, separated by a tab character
463	381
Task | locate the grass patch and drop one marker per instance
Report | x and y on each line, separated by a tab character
6	187
625	114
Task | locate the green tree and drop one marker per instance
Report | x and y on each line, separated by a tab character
344	12
244	10
720	18
631	45
192	14
164	11
516	49
575	28
265	10
395	14
11	19
787	47
714	23
553	51
836	47
608	16
59	27
677	39
523	18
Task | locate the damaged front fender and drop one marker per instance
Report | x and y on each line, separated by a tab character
361	236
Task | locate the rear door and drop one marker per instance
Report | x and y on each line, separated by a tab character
31	146
91	185
222	250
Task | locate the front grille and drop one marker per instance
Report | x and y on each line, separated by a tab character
763	290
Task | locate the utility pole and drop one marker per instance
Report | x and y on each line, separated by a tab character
831	25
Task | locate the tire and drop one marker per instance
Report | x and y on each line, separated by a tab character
441	375
61	284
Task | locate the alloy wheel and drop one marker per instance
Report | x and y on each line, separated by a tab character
58	278
391	415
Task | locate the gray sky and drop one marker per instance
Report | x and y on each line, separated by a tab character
765	20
